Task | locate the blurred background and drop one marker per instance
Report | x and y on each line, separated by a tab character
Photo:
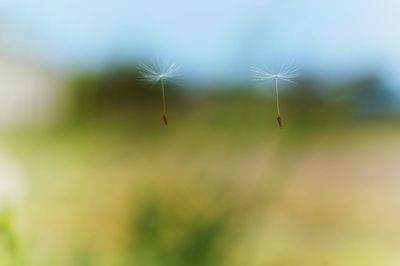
90	176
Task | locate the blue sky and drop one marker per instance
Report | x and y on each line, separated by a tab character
210	38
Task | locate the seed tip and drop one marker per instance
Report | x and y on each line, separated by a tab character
165	119
280	121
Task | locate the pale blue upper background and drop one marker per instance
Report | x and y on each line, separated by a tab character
211	38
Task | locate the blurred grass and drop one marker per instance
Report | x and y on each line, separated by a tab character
222	185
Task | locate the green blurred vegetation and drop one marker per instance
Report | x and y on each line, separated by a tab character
222	185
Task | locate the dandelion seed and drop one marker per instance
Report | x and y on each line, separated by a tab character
263	76
280	122
165	119
160	72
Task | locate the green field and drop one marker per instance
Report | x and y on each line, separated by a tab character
222	185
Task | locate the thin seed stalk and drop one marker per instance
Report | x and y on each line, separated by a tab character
277	97
279	118
165	117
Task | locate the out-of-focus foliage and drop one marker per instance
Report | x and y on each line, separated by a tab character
118	90
222	185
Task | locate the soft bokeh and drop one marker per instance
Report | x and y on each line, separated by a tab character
89	175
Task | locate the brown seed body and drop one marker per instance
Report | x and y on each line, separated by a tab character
165	119
280	121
